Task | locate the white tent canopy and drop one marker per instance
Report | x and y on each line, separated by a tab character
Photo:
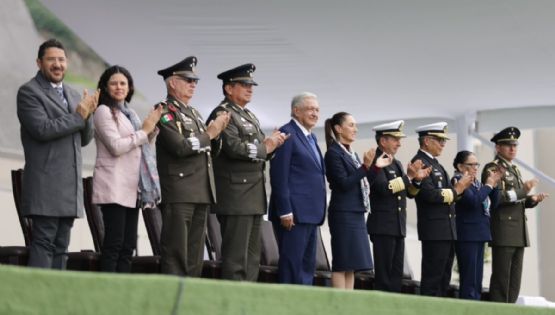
379	60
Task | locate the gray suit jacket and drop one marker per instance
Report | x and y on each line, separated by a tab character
52	137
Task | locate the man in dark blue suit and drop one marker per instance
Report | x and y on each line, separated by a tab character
298	199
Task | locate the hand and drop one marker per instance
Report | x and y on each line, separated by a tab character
149	124
88	104
216	126
462	184
539	197
287	222
384	160
418	171
530	184
368	157
494	176
274	141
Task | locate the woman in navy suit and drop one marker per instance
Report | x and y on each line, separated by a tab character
473	223
349	181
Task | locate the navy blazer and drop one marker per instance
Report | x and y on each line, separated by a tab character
344	179
389	210
472	223
436	218
297	180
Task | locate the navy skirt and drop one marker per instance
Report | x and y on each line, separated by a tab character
350	246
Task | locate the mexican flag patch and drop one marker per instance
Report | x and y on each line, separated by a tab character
166	118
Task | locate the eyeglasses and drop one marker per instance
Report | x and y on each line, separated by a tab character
439	140
188	80
475	165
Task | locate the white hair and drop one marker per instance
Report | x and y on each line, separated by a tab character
298	100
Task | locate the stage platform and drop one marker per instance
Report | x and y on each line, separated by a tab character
35	291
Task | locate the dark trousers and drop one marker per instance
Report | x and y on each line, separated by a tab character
437	264
240	246
470	259
50	240
182	239
297	253
506	273
389	254
120	237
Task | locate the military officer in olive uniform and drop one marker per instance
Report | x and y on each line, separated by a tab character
388	201
436	212
508	220
239	171
185	167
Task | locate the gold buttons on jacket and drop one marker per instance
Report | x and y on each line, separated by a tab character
398	197
400	209
180	174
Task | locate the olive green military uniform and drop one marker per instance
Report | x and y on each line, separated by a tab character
188	188
509	232
241	191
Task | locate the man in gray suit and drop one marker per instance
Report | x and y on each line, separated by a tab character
55	123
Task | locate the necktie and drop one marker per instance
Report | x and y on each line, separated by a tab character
517	171
60	92
313	146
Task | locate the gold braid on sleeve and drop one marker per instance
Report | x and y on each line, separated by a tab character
396	185
447	195
413	191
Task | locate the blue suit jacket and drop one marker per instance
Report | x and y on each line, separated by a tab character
297	179
344	178
472	223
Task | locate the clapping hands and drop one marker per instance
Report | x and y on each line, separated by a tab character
463	183
418	170
382	161
149	124
495	175
275	140
88	104
530	184
216	126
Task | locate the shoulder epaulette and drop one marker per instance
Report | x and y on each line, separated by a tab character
225	106
492	165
